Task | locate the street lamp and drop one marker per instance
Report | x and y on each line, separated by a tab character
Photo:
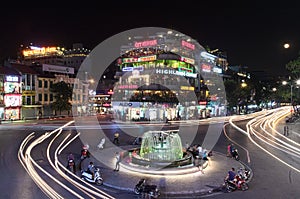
291	85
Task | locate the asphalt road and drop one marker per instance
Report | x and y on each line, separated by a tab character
272	178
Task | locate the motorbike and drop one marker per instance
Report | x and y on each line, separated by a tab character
142	188
244	173
235	154
237	184
98	180
71	165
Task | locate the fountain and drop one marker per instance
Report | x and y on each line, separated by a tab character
160	151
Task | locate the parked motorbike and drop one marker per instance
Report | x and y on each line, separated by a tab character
142	188
98	180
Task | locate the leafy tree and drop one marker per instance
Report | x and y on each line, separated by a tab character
62	95
231	96
294	68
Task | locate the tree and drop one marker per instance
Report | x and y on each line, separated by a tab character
294	68
62	95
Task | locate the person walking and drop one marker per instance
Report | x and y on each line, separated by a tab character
116	138
118	159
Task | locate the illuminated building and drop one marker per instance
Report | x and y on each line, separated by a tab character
166	75
53	55
10	97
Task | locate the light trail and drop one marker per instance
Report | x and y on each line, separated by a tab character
263	129
30	165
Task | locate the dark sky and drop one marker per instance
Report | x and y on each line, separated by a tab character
252	33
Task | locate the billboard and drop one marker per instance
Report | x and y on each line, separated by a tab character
58	69
12	100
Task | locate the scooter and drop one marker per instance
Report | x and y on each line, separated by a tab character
88	177
142	188
237	184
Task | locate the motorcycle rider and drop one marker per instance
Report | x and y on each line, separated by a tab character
231	175
71	162
91	169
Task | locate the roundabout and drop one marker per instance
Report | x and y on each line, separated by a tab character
161	153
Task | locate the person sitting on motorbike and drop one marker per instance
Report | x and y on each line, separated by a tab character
84	153
231	175
238	181
91	169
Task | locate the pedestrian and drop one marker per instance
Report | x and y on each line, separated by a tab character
228	150
116	138
101	144
284	130
118	159
287	131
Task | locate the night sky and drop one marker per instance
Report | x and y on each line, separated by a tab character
252	34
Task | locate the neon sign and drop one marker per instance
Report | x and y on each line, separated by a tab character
140	59
36	51
187	60
188	45
175	72
132	86
145	43
128	69
206	68
12	79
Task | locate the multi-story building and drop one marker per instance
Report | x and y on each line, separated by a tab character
10	97
167	75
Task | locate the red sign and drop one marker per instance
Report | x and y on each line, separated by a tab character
188	45
145	43
202	102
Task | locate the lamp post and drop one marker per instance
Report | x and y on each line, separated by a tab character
291	85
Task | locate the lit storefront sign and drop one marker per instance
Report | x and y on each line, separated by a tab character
208	56
187	88
175	72
187	60
41	51
11	87
128	69
217	70
131	86
145	43
188	45
58	69
206	68
28	93
126	104
12	78
12	114
140	59
11	100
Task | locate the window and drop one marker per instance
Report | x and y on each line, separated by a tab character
51	97
40	84
40	97
46	84
45	97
